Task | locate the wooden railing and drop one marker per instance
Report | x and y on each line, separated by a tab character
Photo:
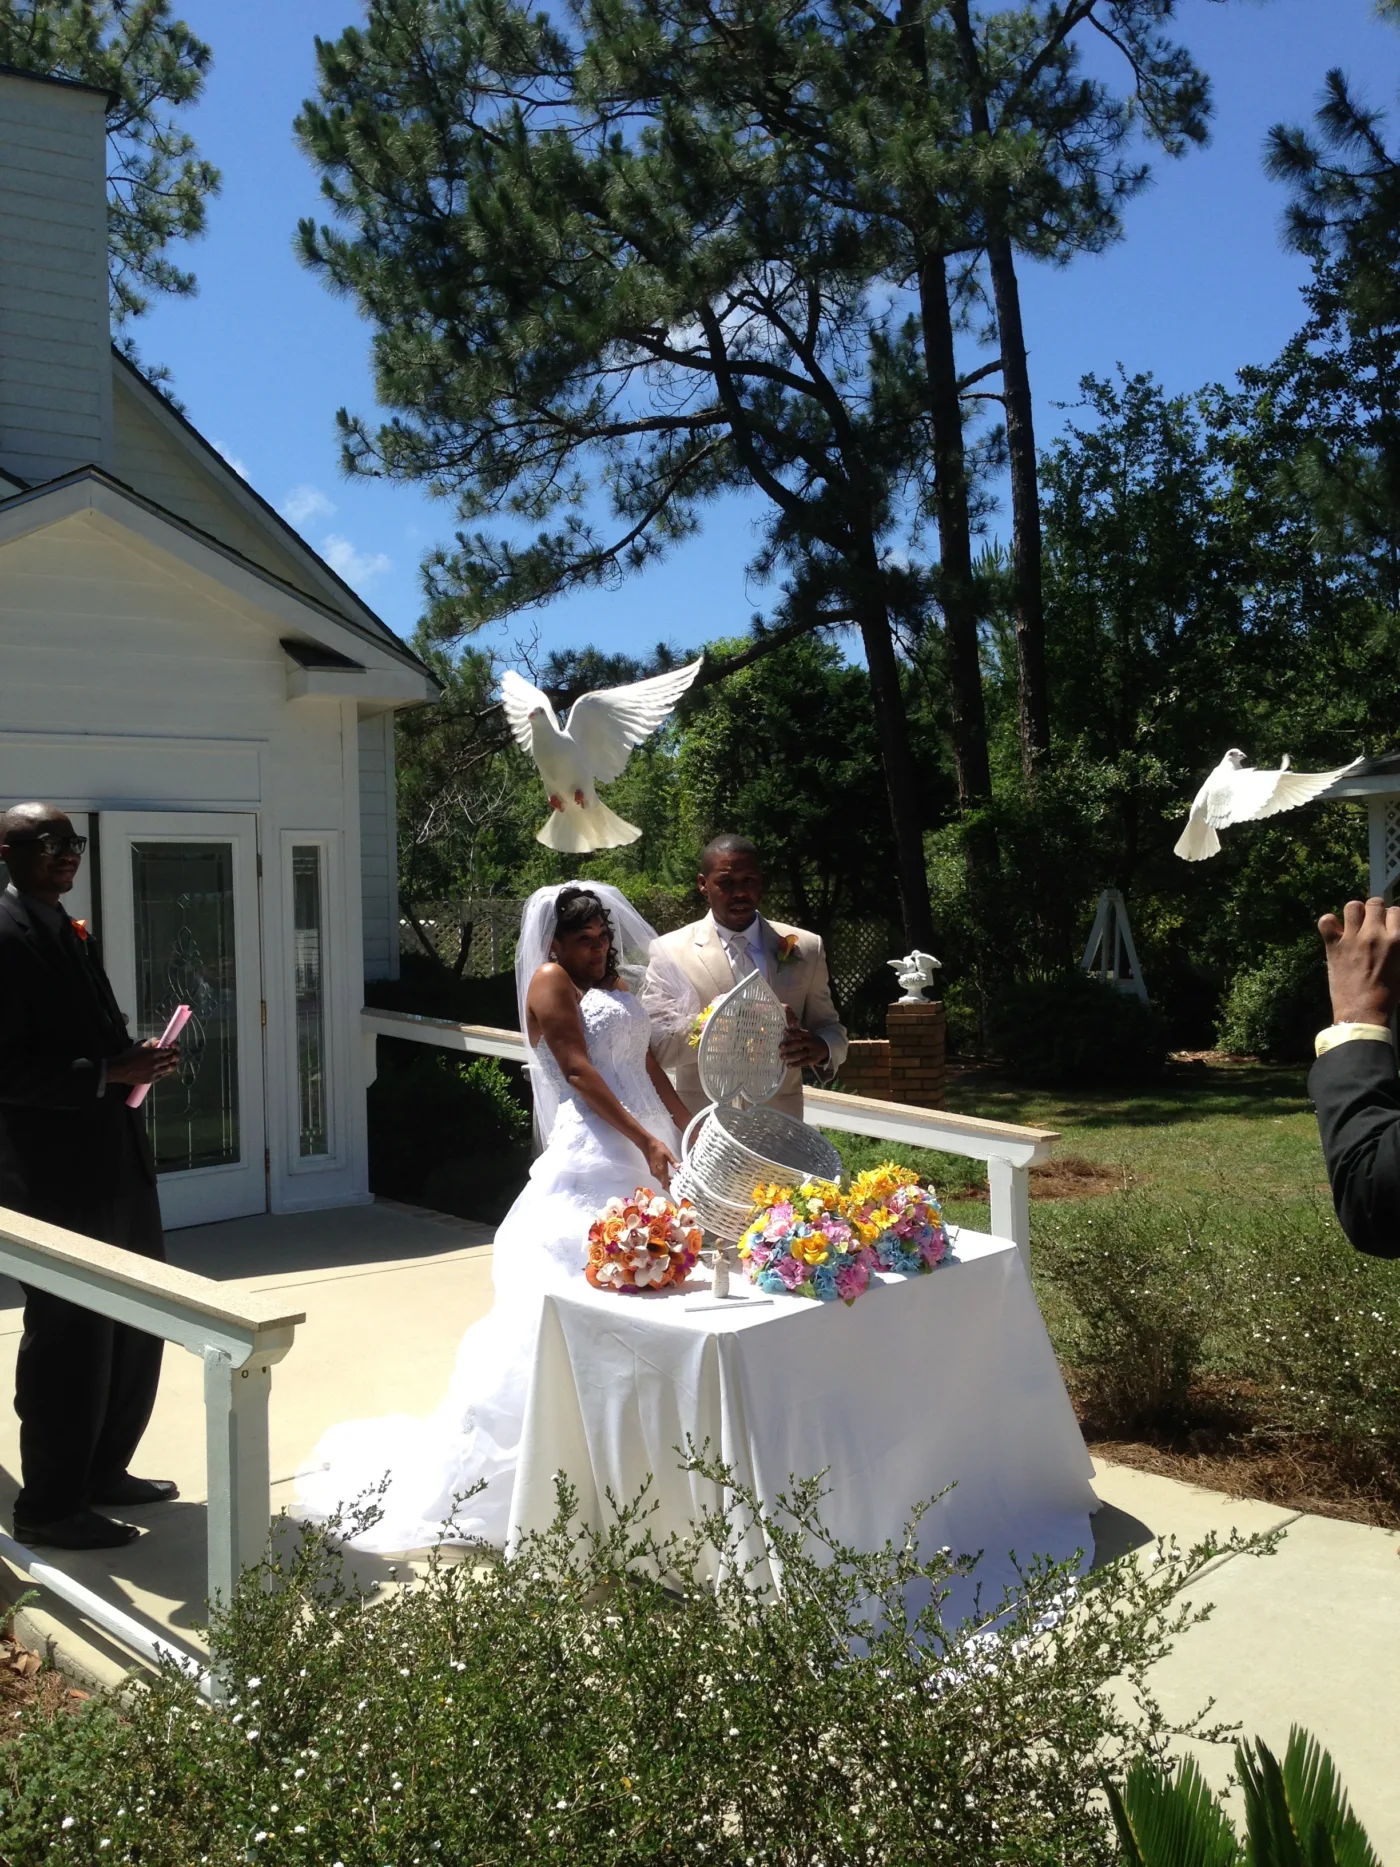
238	1334
1008	1150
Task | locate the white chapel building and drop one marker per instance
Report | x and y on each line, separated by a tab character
209	701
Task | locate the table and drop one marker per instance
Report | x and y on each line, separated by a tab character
942	1379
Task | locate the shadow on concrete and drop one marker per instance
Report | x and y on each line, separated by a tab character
1117	1533
293	1243
161	1579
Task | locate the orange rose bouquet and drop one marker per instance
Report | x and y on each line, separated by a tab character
644	1242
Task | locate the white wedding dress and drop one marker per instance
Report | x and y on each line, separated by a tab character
541	1244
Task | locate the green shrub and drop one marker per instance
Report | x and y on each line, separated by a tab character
447	1133
1076	1030
1145	1301
1316	1328
1139	1288
1275	1009
568	1708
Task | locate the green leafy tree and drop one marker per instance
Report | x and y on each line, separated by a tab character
464	792
151	66
784	752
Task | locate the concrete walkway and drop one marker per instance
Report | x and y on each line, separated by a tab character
1310	1635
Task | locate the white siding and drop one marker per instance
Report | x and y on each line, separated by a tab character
168	471
133	683
378	848
55	348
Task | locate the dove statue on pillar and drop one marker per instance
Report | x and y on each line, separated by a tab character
1238	793
590	749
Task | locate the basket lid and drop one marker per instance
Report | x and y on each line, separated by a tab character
740	1043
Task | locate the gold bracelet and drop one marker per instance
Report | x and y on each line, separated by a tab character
1349	1033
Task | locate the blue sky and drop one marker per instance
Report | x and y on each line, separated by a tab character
264	356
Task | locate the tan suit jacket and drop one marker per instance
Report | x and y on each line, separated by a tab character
801	982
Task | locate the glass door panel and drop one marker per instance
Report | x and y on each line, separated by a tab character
309	944
180	921
186	954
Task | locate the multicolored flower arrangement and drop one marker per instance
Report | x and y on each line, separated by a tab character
787	949
800	1242
816	1241
697	1028
643	1243
899	1218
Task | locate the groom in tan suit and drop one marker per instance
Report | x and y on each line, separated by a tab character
733	940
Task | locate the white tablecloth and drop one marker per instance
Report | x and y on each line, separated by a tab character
935	1380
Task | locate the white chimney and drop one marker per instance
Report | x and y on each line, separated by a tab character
55	339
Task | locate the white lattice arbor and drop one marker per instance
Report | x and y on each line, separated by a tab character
1376	784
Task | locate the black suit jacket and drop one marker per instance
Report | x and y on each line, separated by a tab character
66	1154
1356	1092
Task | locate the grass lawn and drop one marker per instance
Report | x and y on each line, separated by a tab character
1212	1320
1242	1130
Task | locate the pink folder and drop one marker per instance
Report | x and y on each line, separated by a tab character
179	1018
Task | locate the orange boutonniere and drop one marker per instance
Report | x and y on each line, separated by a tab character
80	928
787	949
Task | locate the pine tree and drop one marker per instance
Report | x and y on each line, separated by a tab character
1022	77
590	284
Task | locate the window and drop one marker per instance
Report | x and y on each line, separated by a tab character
309	986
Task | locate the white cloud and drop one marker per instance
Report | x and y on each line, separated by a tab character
356	567
232	459
306	502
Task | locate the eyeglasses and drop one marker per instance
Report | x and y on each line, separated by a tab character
51	843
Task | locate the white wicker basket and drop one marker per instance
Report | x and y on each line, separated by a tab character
739	1147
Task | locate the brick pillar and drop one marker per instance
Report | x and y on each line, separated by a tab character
918	1036
866	1071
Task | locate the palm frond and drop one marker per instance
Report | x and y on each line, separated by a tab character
1297	1812
1170	1818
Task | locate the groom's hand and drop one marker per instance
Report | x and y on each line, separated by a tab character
800	1049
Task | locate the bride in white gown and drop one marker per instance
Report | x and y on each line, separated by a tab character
608	1115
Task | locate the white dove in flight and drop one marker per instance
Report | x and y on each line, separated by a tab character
590	750
1238	793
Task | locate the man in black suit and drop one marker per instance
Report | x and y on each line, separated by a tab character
1353	1084
73	1153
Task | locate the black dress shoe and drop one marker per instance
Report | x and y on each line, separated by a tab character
129	1490
81	1529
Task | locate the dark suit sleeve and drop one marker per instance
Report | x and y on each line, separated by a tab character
34	1071
1356	1093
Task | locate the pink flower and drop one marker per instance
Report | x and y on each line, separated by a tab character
852	1278
792	1273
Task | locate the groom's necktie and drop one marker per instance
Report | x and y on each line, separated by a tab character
745	956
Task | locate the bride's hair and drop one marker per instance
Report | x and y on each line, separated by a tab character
576	908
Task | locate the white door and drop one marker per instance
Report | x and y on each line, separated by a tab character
180	926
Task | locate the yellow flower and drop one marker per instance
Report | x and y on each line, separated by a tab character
813	1249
